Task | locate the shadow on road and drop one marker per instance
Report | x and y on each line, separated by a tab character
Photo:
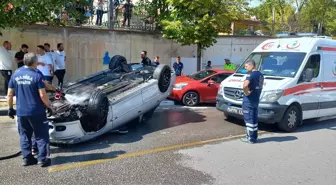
159	121
85	157
277	139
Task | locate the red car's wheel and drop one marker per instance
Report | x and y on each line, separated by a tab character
190	98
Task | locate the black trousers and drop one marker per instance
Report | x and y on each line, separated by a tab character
7	74
60	76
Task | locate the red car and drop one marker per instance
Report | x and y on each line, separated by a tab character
200	87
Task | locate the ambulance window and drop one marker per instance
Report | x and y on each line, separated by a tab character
313	63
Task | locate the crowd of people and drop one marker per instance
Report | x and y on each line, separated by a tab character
29	84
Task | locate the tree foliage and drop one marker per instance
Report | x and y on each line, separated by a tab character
298	15
17	13
199	21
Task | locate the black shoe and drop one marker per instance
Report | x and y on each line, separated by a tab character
45	163
29	161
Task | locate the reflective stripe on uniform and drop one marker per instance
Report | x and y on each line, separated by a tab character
251	125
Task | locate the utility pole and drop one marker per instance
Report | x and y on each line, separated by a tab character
111	14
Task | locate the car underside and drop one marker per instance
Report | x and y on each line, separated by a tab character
88	100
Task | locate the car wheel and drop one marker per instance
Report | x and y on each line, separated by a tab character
98	105
291	119
119	62
190	98
163	74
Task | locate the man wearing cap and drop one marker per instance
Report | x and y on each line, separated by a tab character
228	65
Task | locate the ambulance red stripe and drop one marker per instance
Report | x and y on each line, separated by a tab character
328	49
296	90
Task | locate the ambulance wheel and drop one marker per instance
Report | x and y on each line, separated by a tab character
291	120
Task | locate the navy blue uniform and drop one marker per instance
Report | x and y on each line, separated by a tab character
30	112
178	67
251	103
34	144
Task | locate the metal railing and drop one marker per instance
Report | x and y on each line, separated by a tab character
95	15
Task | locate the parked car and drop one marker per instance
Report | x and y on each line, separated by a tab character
99	103
200	87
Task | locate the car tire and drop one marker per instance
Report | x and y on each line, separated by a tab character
291	119
163	74
98	105
190	98
119	62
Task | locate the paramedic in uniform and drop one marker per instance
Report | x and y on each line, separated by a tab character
31	98
253	85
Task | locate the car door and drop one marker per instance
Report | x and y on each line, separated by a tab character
208	91
310	92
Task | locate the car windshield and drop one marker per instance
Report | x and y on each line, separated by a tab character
284	64
202	74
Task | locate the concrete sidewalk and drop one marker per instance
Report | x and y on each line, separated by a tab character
306	157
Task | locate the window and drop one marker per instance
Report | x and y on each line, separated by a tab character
313	62
284	64
221	77
202	74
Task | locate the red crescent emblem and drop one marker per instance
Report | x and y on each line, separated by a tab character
293	45
267	46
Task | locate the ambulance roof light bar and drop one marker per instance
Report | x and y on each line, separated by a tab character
286	34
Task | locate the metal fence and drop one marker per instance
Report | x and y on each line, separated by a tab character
107	14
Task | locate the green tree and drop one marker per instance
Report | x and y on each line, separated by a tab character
283	19
19	13
198	22
320	12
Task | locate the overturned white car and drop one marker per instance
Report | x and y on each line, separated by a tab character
106	100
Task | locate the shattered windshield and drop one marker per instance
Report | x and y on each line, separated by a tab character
284	64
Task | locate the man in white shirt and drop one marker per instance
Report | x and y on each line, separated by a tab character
52	55
60	64
44	63
6	65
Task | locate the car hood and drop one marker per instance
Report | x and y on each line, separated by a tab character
181	79
270	83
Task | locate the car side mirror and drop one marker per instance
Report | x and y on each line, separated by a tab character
308	75
211	82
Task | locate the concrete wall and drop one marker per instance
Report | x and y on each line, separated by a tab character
232	47
85	48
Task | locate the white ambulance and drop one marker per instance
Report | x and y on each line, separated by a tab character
300	82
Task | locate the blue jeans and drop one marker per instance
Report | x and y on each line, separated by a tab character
37	125
250	112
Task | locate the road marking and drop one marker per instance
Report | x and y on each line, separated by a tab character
141	153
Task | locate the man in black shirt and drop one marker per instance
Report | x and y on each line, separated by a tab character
19	55
145	59
127	12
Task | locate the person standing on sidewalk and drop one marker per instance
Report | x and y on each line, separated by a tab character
6	65
19	55
44	63
252	89
31	97
60	59
178	67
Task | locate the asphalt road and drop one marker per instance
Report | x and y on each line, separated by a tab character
181	146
